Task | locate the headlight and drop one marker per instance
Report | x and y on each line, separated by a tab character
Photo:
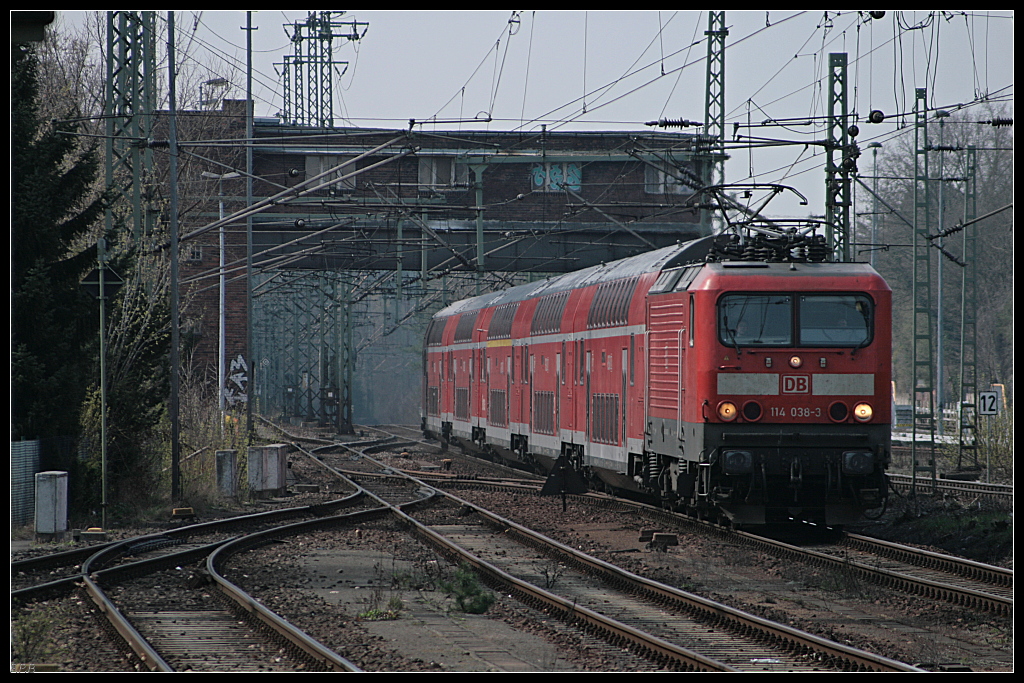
838	412
862	412
737	462
858	462
752	411
726	411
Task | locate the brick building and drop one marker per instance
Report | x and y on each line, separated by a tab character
381	225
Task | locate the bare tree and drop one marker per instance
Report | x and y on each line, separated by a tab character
994	180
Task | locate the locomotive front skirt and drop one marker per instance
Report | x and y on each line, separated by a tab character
754	391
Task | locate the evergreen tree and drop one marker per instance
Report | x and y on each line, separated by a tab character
54	207
57	211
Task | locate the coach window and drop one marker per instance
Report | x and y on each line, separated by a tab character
632	360
834	319
582	361
558	364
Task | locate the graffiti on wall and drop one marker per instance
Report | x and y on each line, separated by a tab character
235	393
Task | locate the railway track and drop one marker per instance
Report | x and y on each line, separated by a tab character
58	574
173	624
996	492
708	635
439	521
679	636
166	625
974	585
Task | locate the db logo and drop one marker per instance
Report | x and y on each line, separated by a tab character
796	384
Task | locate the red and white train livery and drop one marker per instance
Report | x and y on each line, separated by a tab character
751	390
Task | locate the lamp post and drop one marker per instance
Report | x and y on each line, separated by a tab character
103	284
221	347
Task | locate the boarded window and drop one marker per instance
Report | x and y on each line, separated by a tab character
556	177
317	164
437	173
664	178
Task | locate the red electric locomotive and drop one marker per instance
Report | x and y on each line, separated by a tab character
752	390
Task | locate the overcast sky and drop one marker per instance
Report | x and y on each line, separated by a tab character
575	70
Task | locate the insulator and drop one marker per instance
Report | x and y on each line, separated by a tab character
674	123
817	250
1002	122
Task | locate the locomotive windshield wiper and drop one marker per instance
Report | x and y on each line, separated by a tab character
861	345
732	337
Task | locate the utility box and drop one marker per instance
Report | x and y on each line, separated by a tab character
227	473
268	470
51	505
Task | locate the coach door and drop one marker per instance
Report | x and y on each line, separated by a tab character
558	391
681	344
587	393
624	400
569	379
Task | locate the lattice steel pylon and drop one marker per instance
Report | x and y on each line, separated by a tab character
308	76
968	412
838	169
923	358
128	111
714	107
714	97
303	340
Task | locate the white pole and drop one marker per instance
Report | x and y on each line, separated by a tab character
221	343
222	325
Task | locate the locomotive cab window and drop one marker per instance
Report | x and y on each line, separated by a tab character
835	319
755	320
841	320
